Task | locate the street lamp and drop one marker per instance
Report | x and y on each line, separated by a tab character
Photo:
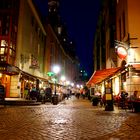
56	70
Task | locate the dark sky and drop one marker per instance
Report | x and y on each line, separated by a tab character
80	17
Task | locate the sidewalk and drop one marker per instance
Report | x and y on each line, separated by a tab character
20	101
85	103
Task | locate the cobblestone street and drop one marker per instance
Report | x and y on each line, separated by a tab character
71	119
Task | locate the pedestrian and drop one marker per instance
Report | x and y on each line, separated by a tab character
68	93
78	93
2	92
48	93
26	92
33	93
42	95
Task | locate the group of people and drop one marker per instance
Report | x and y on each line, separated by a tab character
83	92
38	94
123	99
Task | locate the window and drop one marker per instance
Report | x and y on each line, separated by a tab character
4	43
2	50
123	20
120	30
117	1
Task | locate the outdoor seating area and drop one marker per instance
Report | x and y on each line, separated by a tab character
126	102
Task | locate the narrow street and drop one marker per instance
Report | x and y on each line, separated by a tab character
72	119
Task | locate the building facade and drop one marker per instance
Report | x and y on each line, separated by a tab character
27	50
56	55
116	44
22	45
104	56
127	25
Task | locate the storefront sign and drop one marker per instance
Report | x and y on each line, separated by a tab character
108	96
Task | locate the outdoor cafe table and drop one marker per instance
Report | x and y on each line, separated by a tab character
135	105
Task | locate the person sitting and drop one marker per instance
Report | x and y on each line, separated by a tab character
134	97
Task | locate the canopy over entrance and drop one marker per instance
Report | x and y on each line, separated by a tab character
100	75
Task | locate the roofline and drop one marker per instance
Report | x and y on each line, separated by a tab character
36	15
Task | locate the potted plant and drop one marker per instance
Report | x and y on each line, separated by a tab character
95	100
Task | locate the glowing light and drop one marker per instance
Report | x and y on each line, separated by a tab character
56	69
72	84
67	82
63	78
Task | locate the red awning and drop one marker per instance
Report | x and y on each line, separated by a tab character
100	75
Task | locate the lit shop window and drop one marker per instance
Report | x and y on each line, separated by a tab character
4	43
117	1
10	45
2	50
3	58
10	52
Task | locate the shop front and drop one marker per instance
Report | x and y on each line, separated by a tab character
28	81
7	71
133	78
99	78
107	82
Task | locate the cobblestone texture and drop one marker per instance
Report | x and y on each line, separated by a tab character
72	119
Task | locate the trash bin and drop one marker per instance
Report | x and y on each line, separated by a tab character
55	99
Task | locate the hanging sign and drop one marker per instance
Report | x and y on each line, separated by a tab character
121	52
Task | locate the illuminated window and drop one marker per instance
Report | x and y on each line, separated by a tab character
117	1
4	43
3	58
2	50
11	45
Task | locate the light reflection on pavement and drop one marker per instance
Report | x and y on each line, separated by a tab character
72	119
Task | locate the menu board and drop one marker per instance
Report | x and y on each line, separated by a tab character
108	94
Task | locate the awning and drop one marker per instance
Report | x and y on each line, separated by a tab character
100	75
33	77
8	69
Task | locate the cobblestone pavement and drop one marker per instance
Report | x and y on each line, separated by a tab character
71	119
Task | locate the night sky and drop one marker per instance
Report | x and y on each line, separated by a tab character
80	18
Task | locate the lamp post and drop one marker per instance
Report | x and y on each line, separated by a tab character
56	70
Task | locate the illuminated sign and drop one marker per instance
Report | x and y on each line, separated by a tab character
121	52
50	74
